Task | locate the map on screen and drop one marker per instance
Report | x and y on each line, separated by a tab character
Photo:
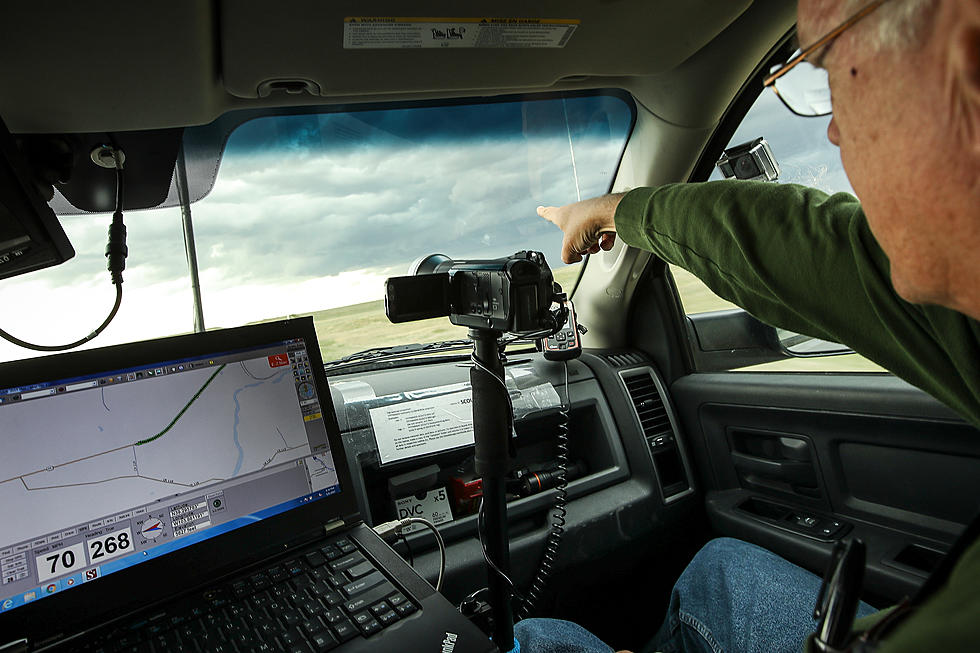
82	454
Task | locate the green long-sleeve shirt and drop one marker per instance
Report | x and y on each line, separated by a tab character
802	260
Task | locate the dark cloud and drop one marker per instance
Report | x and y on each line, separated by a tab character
472	200
285	222
603	116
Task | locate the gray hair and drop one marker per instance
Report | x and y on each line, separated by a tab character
897	24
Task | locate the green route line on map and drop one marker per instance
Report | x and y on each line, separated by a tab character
51	468
182	410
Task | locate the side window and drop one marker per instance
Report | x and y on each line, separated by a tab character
805	156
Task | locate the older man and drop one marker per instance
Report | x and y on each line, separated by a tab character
904	264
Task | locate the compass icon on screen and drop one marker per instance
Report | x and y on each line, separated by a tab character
305	390
151	529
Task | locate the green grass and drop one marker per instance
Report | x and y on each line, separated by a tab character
348	329
697	298
353	328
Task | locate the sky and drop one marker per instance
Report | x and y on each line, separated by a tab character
310	213
297	222
800	145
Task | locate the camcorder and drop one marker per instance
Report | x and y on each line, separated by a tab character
513	294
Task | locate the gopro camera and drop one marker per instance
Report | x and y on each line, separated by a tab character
752	160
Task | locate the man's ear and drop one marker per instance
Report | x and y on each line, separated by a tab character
965	60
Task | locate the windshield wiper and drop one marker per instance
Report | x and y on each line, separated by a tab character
399	351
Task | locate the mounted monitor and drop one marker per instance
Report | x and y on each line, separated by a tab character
31	237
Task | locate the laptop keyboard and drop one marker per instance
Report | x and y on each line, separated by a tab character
307	604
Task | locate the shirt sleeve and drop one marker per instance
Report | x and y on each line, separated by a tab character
802	260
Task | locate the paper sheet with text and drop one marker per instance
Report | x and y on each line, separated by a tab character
424	426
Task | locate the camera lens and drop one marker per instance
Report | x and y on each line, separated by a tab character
747	168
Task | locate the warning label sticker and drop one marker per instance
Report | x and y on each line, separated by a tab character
371	33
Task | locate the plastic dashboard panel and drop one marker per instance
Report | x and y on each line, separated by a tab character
616	506
359	439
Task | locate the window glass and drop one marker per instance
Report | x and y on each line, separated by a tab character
310	213
64	303
805	156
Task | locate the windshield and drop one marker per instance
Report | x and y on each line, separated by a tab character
309	213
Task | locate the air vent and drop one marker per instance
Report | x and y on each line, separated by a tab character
649	406
625	359
671	469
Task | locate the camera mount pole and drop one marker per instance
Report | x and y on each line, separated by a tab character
491	433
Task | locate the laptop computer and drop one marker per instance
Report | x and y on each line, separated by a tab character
192	494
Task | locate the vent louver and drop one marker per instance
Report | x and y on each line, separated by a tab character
665	448
648	404
625	359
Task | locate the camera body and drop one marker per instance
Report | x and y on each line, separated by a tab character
752	160
511	294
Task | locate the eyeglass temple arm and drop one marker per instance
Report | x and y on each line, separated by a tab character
789	65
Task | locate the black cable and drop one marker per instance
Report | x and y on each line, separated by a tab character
408	548
77	343
480	529
558	513
558	319
510	405
116	251
559	510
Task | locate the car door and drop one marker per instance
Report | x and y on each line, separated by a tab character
796	454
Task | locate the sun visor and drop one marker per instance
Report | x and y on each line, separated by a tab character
388	48
114	64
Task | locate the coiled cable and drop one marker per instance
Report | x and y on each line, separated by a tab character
559	512
559	509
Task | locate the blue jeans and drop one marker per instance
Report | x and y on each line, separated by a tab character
732	597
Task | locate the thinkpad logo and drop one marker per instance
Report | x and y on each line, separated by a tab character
449	643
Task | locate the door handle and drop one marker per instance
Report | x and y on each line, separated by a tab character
793	471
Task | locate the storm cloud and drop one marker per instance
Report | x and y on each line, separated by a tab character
286	232
315	213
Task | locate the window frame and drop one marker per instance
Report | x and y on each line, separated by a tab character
749	341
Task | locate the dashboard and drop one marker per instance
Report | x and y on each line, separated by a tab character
628	466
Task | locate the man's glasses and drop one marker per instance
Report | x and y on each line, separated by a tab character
803	87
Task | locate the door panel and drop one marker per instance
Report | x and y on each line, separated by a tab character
793	462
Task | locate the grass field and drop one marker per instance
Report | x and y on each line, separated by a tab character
353	328
349	329
697	298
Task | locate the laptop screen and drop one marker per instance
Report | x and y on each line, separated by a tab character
104	471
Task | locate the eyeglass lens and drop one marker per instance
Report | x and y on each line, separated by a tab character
805	90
